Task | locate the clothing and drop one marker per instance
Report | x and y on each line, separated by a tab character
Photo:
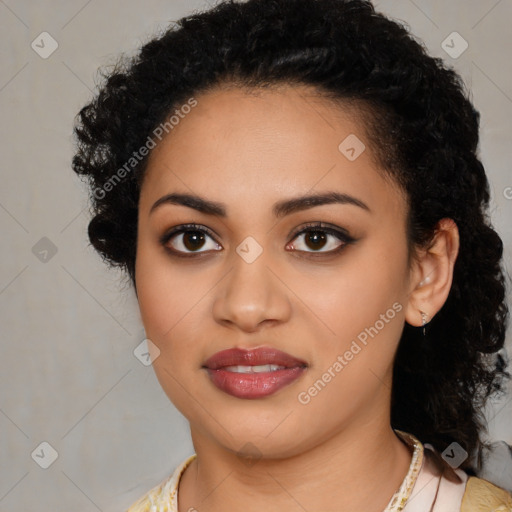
497	464
431	485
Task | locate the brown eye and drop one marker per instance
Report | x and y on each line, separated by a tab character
188	240
193	240
316	237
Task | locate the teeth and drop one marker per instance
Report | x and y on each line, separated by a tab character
254	369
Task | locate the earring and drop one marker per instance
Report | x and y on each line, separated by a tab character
425	281
424	318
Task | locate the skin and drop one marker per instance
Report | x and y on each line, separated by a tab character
249	151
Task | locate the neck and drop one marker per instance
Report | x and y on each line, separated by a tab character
358	468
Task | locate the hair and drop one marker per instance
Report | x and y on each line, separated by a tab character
423	129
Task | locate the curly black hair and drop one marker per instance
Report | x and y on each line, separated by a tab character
425	133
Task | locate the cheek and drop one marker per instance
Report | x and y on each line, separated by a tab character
363	307
174	305
157	303
361	311
365	286
163	296
169	306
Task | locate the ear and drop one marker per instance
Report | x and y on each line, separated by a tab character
431	274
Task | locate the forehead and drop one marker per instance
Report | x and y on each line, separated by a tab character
280	141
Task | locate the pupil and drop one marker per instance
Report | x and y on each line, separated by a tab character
196	236
316	236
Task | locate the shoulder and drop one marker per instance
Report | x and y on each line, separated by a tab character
162	497
148	500
483	496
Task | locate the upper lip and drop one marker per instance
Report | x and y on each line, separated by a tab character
254	357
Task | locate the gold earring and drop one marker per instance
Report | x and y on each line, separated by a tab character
424	318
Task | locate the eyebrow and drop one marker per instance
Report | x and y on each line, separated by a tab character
280	209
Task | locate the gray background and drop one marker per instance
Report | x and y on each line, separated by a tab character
69	326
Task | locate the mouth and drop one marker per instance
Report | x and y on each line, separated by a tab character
254	373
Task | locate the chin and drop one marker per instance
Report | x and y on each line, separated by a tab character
252	439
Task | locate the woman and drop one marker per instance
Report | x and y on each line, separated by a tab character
293	188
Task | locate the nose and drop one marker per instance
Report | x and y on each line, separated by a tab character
251	295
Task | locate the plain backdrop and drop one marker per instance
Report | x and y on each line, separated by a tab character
69	325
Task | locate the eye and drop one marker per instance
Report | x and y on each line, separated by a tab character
189	238
317	236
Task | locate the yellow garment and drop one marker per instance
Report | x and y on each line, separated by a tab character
483	496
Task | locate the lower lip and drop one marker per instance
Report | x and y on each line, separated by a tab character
253	385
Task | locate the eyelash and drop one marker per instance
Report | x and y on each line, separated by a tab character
339	233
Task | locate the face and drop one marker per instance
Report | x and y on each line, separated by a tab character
325	282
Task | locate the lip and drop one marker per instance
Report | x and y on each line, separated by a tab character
253	385
257	356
